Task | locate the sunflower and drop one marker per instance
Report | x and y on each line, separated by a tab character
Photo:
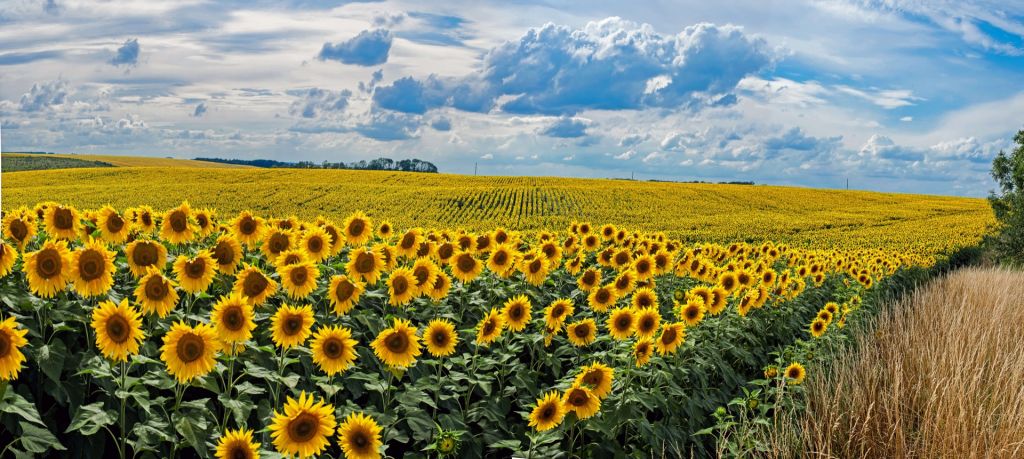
177	226
582	333
644	298
143	254
189	351
304	428
692	312
388	254
248	229
718	301
825	315
425	272
516	313
365	264
397	346
602	298
254	285
12	339
359	437
20	227
672	336
409	243
465	267
227	252
581	401
385	230
795	373
237	444
625	282
333	348
232	319
647	322
440	337
642	351
205	223
548	413
112	226
156	294
7	258
316	244
598	377
444	253
556	312
62	222
291	325
590	279
275	241
142	219
357	228
48	269
299	279
818	327
401	286
489	328
502	260
195	274
535	269
621	323
728	281
92	269
442	283
118	330
344	293
574	265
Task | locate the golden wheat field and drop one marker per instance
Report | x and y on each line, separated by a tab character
810	218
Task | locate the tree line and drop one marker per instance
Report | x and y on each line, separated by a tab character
379	164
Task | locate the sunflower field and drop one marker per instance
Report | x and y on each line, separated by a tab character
184	333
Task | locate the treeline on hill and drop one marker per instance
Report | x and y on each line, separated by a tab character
1008	203
379	164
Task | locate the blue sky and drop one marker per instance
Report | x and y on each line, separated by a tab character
894	95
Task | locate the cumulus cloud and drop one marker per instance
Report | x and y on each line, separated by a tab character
882	147
611	64
633	140
626	155
566	127
313	102
370	47
126	55
388	126
43	96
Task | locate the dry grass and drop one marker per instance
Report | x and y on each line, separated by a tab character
941	376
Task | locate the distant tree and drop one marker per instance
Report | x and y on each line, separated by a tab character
1008	205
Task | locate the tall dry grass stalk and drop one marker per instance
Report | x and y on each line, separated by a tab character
942	375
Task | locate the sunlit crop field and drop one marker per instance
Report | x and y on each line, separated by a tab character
809	218
133	332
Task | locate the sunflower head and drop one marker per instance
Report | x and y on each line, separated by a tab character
237	444
440	337
333	348
62	222
502	260
49	268
247	228
465	267
275	241
156	294
304	427
590	279
598	377
556	313
359	437
232	319
516	313
672	336
92	269
291	325
315	243
442	283
385	230
692	312
253	285
12	339
795	373
397	346
365	264
113	227
647	322
344	293
401	286
178	225
602	298
489	328
195	274
621	323
299	279
227	253
8	255
582	333
818	327
189	352
548	413
582	401
642	351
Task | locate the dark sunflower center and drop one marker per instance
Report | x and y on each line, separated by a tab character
622	258
578	398
593	378
247	225
400	285
291	259
424	250
357	227
547	412
440	338
536	265
483	242
278	243
118	329
589	277
466	263
114	223
333	347
646	324
643	349
332	232
669	336
292	325
284	224
408	240
500	237
223	253
818	326
90	264
190	347
145	254
644	301
445	251
344	290
422	274
315	244
179	221
48	263
202	220
156	288
365	263
557	311
233	318
623	322
195	268
303	428
728	282
5	345
18	229
63	219
254	284
643	266
516	312
622	282
397	342
360	439
385	229
239	451
692	312
582	331
602	295
465	242
299	276
489	327
147	219
793	373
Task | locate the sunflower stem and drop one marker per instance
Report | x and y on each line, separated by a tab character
280	375
121	441
387	404
437	388
230	383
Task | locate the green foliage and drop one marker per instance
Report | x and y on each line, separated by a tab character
1008	204
15	163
